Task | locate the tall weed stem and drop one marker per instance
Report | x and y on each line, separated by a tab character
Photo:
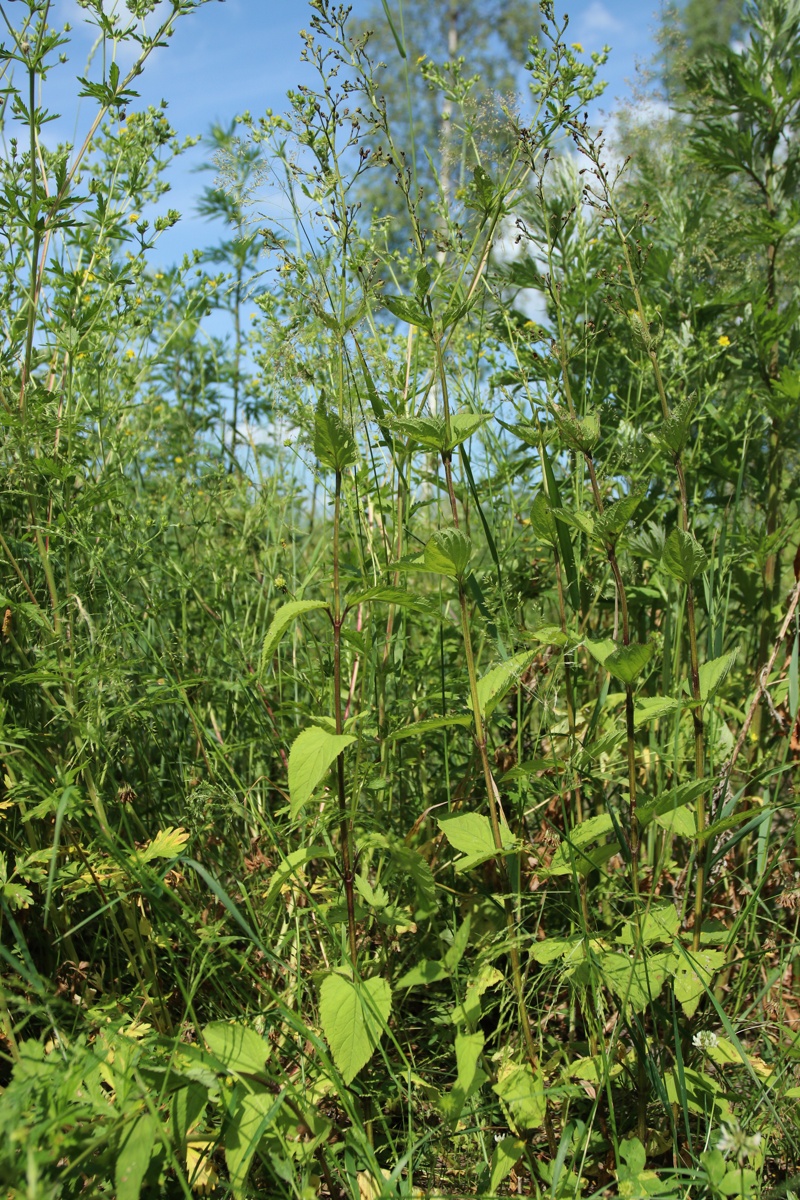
345	823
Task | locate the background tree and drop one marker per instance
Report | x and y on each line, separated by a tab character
240	173
692	30
460	62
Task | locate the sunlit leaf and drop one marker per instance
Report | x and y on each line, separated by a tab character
354	1017
312	754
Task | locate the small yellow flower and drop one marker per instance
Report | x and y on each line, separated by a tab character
577	46
421	58
134	217
178	460
723	340
130	354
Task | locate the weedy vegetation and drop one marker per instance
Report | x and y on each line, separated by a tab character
400	692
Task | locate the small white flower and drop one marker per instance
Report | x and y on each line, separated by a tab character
704	1040
733	1140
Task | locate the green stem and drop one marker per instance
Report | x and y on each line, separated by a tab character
479	734
345	824
562	610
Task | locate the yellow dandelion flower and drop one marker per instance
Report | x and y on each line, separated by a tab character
178	460
723	340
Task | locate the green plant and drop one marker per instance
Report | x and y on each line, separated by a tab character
390	815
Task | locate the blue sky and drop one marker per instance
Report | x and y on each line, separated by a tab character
243	54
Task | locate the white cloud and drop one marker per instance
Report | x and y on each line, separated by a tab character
597	21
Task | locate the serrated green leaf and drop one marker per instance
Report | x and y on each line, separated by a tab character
241	1050
406	863
280	623
681	822
334	444
578	433
571	853
448	552
422	431
713	673
675	429
168	843
463	426
521	1092
312	754
580	521
494	685
430	725
628	662
683	556
610	524
636	981
17	895
471	833
549	635
354	1017
672	800
400	597
600	650
659	923
551	949
652	708
408	310
543	523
